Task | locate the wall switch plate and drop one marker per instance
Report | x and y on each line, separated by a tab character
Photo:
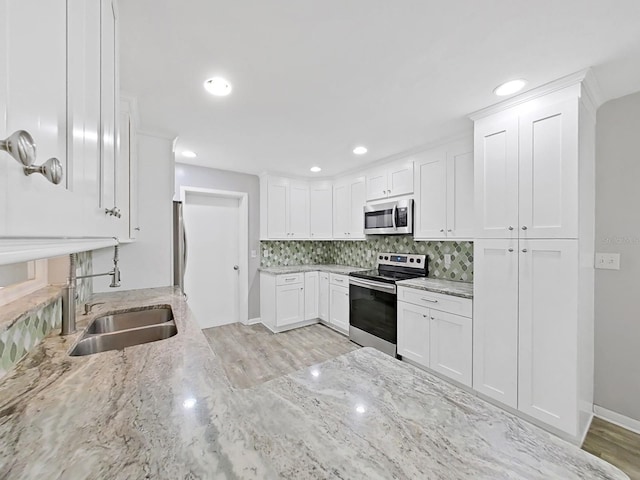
254	253
447	260
608	261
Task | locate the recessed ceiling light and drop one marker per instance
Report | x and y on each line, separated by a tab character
189	154
315	169
218	86
360	150
510	87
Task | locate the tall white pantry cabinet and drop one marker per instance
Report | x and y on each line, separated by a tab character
533	286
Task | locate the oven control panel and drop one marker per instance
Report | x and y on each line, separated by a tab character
402	260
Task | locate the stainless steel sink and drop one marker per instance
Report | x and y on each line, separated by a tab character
121	330
127	320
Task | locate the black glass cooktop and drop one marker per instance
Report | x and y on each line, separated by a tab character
385	276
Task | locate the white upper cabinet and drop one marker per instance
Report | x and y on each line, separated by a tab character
496	176
548	193
321	211
527	164
286	210
390	180
444	201
348	209
53	88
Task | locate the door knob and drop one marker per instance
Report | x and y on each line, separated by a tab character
236	267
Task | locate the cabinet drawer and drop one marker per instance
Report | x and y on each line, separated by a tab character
436	301
341	280
290	279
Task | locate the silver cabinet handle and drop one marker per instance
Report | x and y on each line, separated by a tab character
290	279
113	212
424	316
442	230
236	267
393	216
428	300
449	230
524	227
51	170
21	147
510	228
511	249
524	250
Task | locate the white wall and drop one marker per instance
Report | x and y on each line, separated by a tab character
147	262
617	328
193	176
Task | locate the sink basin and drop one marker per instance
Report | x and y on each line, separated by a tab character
120	330
91	344
127	320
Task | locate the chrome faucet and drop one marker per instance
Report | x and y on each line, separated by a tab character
89	306
69	294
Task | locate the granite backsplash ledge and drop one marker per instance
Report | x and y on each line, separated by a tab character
363	254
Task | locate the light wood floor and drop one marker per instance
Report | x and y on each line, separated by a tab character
252	355
615	445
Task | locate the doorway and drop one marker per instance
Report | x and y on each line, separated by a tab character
216	281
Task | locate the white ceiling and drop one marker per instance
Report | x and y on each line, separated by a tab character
314	78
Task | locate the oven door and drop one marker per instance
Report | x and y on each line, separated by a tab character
373	309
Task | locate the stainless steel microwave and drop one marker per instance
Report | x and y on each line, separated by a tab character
389	218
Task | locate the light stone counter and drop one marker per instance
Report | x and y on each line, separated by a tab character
448	287
340	269
165	410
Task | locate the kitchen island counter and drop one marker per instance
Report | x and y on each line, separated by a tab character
166	410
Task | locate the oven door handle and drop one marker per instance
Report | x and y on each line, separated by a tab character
381	287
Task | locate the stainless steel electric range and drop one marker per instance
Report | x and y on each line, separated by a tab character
372	299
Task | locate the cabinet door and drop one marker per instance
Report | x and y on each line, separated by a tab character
108	106
34	44
400	178
548	332
496	176
377	184
450	351
341	210
549	172
289	304
339	307
4	160
298	211
356	224
311	292
323	297
321	212
413	333
277	204
431	195
495	320
460	207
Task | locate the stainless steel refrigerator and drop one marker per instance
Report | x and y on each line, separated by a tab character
179	246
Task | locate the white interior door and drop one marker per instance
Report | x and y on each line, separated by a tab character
211	282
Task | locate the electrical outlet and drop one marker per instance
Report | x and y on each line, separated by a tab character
608	261
447	260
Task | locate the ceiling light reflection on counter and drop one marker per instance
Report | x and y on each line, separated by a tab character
315	372
360	409
218	86
360	150
510	87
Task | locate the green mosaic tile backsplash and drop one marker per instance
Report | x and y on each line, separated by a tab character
17	340
363	254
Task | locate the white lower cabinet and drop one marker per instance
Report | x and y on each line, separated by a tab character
289	304
436	339
323	296
451	345
282	300
311	295
413	333
339	307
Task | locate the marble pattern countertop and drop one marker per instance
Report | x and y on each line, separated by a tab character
448	287
166	410
340	269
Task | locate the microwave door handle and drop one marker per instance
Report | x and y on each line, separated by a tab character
393	216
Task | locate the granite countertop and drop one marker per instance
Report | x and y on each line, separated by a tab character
166	410
340	269
448	287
